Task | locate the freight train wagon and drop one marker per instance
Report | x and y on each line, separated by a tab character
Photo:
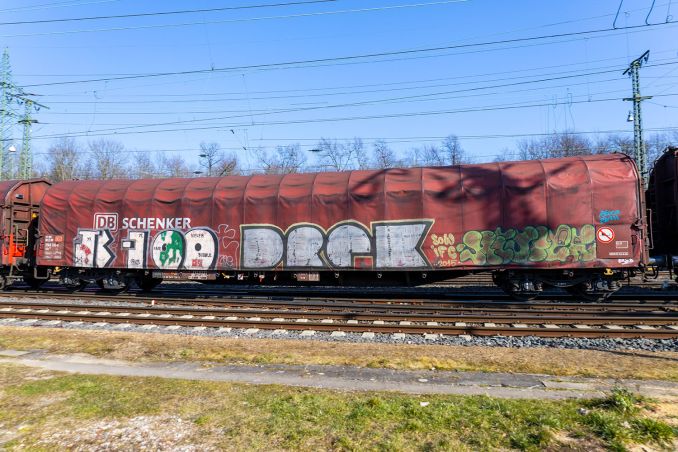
20	202
576	223
662	201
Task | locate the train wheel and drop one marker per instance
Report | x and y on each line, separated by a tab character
521	295
583	291
4	283
77	287
147	283
34	283
518	287
112	290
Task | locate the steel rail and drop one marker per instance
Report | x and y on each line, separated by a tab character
233	300
485	330
502	316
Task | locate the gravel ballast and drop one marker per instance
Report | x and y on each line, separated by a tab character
601	344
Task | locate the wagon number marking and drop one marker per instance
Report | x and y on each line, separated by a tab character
605	235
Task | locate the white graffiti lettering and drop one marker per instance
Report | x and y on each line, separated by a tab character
91	248
346	241
262	246
201	249
347	244
398	244
394	244
303	247
136	245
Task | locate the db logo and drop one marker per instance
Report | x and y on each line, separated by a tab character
106	221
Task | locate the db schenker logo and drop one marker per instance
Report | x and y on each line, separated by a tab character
106	221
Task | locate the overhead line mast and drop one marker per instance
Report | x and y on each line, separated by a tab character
638	143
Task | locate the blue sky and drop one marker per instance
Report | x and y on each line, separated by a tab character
274	75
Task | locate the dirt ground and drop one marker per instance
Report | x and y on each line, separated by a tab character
166	347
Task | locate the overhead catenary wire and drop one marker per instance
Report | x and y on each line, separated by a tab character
553	24
246	112
121	131
310	92
351	104
67	4
334	59
411	57
225	21
242	7
168	13
393	140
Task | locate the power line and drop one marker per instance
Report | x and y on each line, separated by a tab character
212	77
362	85
224	21
167	13
399	139
466	78
351	104
96	133
584	19
325	106
340	58
56	5
341	93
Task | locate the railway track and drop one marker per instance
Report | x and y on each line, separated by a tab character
427	295
657	320
481	307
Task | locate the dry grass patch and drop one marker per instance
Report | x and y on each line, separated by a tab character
165	347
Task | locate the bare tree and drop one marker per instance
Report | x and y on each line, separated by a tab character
228	166
143	166
345	156
108	159
569	144
556	145
174	166
531	149
655	146
432	155
454	153
506	155
357	148
283	160
64	160
384	157
607	144
449	152
215	161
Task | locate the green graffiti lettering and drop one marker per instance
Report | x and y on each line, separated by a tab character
532	244
172	251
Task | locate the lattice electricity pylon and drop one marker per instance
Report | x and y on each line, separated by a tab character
26	156
638	143
7	114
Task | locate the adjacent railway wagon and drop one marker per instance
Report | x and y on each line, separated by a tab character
662	196
20	202
574	222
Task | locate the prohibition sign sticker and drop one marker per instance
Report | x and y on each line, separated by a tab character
605	235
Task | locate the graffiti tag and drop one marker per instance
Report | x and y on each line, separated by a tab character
608	215
532	244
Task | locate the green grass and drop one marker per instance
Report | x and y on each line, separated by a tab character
249	417
615	419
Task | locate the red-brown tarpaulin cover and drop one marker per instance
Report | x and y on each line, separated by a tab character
571	212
